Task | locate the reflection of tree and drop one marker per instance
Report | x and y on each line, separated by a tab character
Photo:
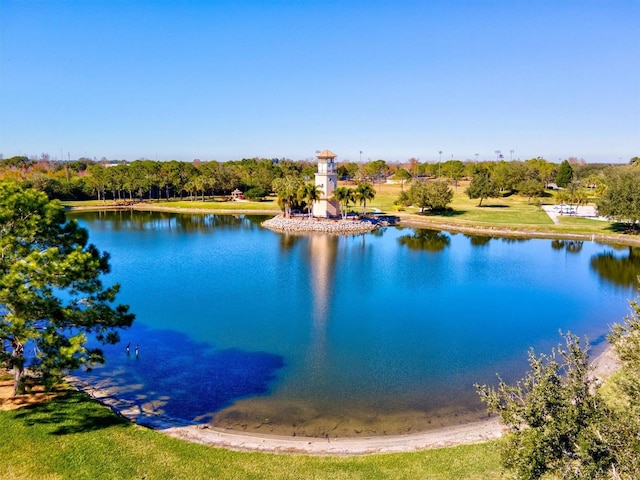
478	241
623	271
571	246
423	239
288	241
514	239
188	222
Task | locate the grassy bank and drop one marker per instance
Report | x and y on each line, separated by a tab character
71	436
503	215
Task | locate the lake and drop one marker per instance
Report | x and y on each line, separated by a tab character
320	335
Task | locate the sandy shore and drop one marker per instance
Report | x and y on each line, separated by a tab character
444	437
479	431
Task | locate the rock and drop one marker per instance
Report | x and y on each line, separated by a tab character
306	224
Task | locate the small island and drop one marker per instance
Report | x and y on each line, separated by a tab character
324	208
322	225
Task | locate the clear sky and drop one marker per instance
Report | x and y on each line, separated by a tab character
394	79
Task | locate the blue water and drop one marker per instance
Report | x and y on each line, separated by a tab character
314	334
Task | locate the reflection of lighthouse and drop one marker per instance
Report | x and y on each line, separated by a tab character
322	262
326	181
322	258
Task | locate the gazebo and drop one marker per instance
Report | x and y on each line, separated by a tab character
237	195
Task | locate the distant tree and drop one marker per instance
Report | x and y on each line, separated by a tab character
20	162
376	169
309	193
51	293
403	200
596	183
433	195
531	188
364	192
344	196
565	174
286	189
482	186
546	170
170	177
576	194
401	176
454	170
96	180
255	194
621	200
414	165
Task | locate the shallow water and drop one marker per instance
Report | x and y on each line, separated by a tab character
321	335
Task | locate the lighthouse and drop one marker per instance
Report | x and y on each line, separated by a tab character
326	182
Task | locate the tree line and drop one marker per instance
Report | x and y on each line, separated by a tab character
577	182
615	189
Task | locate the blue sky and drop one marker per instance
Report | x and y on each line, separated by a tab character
394	79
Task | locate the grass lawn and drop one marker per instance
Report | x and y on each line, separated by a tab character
512	212
210	204
268	204
71	436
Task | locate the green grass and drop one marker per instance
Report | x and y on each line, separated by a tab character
267	204
512	212
209	204
74	437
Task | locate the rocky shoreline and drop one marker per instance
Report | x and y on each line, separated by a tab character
321	225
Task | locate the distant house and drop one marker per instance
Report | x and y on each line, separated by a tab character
237	195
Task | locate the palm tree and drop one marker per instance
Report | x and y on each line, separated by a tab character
286	189
190	187
364	192
200	184
309	194
344	195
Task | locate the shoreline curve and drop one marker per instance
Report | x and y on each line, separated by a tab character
603	366
448	436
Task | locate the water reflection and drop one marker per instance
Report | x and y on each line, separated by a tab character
571	246
423	239
288	241
515	239
623	271
478	240
322	261
132	220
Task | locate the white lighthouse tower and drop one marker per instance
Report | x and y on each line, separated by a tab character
326	181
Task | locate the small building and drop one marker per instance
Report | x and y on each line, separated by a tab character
326	181
237	195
